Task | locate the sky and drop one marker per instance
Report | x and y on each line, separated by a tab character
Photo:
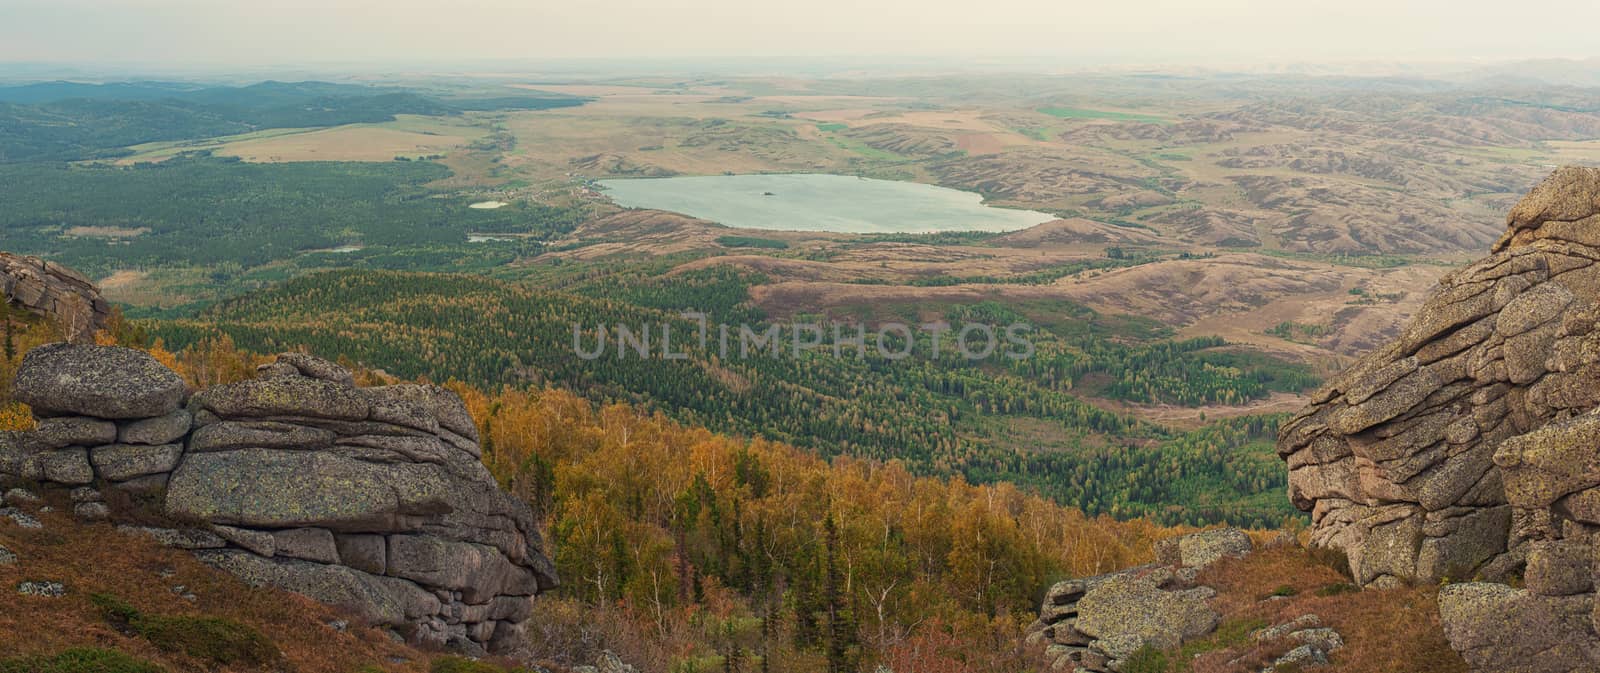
225	33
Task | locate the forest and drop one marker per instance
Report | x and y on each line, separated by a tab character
941	415
774	560
224	213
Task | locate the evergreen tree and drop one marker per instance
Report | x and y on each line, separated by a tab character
807	597
733	658
766	635
10	343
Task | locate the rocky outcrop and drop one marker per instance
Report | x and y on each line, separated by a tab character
372	499
1470	447
1401	459
1095	623
54	291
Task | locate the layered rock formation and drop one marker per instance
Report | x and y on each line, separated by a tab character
54	291
373	499
1470	447
1396	457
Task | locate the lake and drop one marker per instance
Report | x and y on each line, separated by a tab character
815	202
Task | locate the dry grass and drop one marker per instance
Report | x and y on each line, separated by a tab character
1384	631
158	287
95	559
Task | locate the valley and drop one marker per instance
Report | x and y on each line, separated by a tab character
1195	255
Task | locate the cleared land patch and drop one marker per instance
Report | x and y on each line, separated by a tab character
105	232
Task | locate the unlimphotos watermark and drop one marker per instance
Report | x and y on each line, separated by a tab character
890	340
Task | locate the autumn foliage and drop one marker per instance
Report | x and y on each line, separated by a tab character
19	332
671	525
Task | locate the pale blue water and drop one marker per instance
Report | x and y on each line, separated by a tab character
814	202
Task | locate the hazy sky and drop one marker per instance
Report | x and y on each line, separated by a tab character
267	32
